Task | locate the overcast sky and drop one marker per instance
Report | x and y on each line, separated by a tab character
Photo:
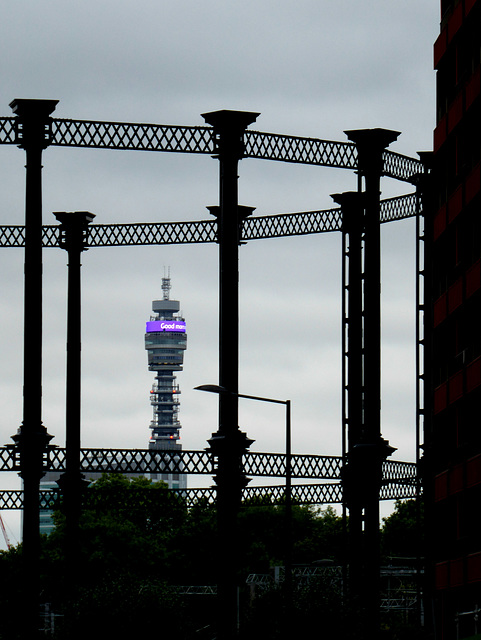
313	68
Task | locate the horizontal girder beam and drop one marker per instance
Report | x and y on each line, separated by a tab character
133	461
178	139
12	499
156	233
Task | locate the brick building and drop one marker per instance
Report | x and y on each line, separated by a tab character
453	324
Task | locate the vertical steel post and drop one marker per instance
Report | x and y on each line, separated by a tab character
73	232
288	521
371	144
33	135
372	449
425	389
229	443
352	228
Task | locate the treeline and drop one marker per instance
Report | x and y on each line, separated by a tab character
139	546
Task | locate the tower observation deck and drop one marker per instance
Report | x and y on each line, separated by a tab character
165	342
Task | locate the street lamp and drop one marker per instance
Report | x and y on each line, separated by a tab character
213	388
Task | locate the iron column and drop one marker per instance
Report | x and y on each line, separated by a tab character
352	207
33	134
229	443
73	236
369	453
425	386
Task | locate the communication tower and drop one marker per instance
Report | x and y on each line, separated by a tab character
165	342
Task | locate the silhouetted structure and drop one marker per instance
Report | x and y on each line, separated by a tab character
453	252
228	459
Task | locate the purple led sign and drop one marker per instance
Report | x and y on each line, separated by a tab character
165	325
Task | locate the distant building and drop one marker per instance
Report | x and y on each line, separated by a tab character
165	342
453	251
48	483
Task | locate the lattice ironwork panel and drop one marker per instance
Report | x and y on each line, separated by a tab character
51	235
398	208
398	491
401	167
146	461
191	497
10	458
317	494
309	466
13	499
117	235
273	146
202	462
397	471
321	493
7	458
202	231
7	130
155	137
112	235
132	136
263	495
118	460
300	494
303	466
12	236
49	499
194	462
292	224
307	222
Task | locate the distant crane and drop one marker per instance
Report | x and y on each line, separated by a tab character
4	531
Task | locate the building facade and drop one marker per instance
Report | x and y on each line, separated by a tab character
165	342
453	251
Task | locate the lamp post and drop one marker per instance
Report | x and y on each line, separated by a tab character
219	390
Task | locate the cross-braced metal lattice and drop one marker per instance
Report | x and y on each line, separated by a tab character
397	471
7	130
202	140
153	233
183	139
398	491
300	494
205	231
146	461
291	224
138	461
302	466
398	208
299	150
327	493
132	136
401	167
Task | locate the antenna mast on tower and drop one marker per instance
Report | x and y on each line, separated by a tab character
166	286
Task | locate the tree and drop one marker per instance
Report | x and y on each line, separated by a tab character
11	603
317	537
402	531
128	556
138	542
